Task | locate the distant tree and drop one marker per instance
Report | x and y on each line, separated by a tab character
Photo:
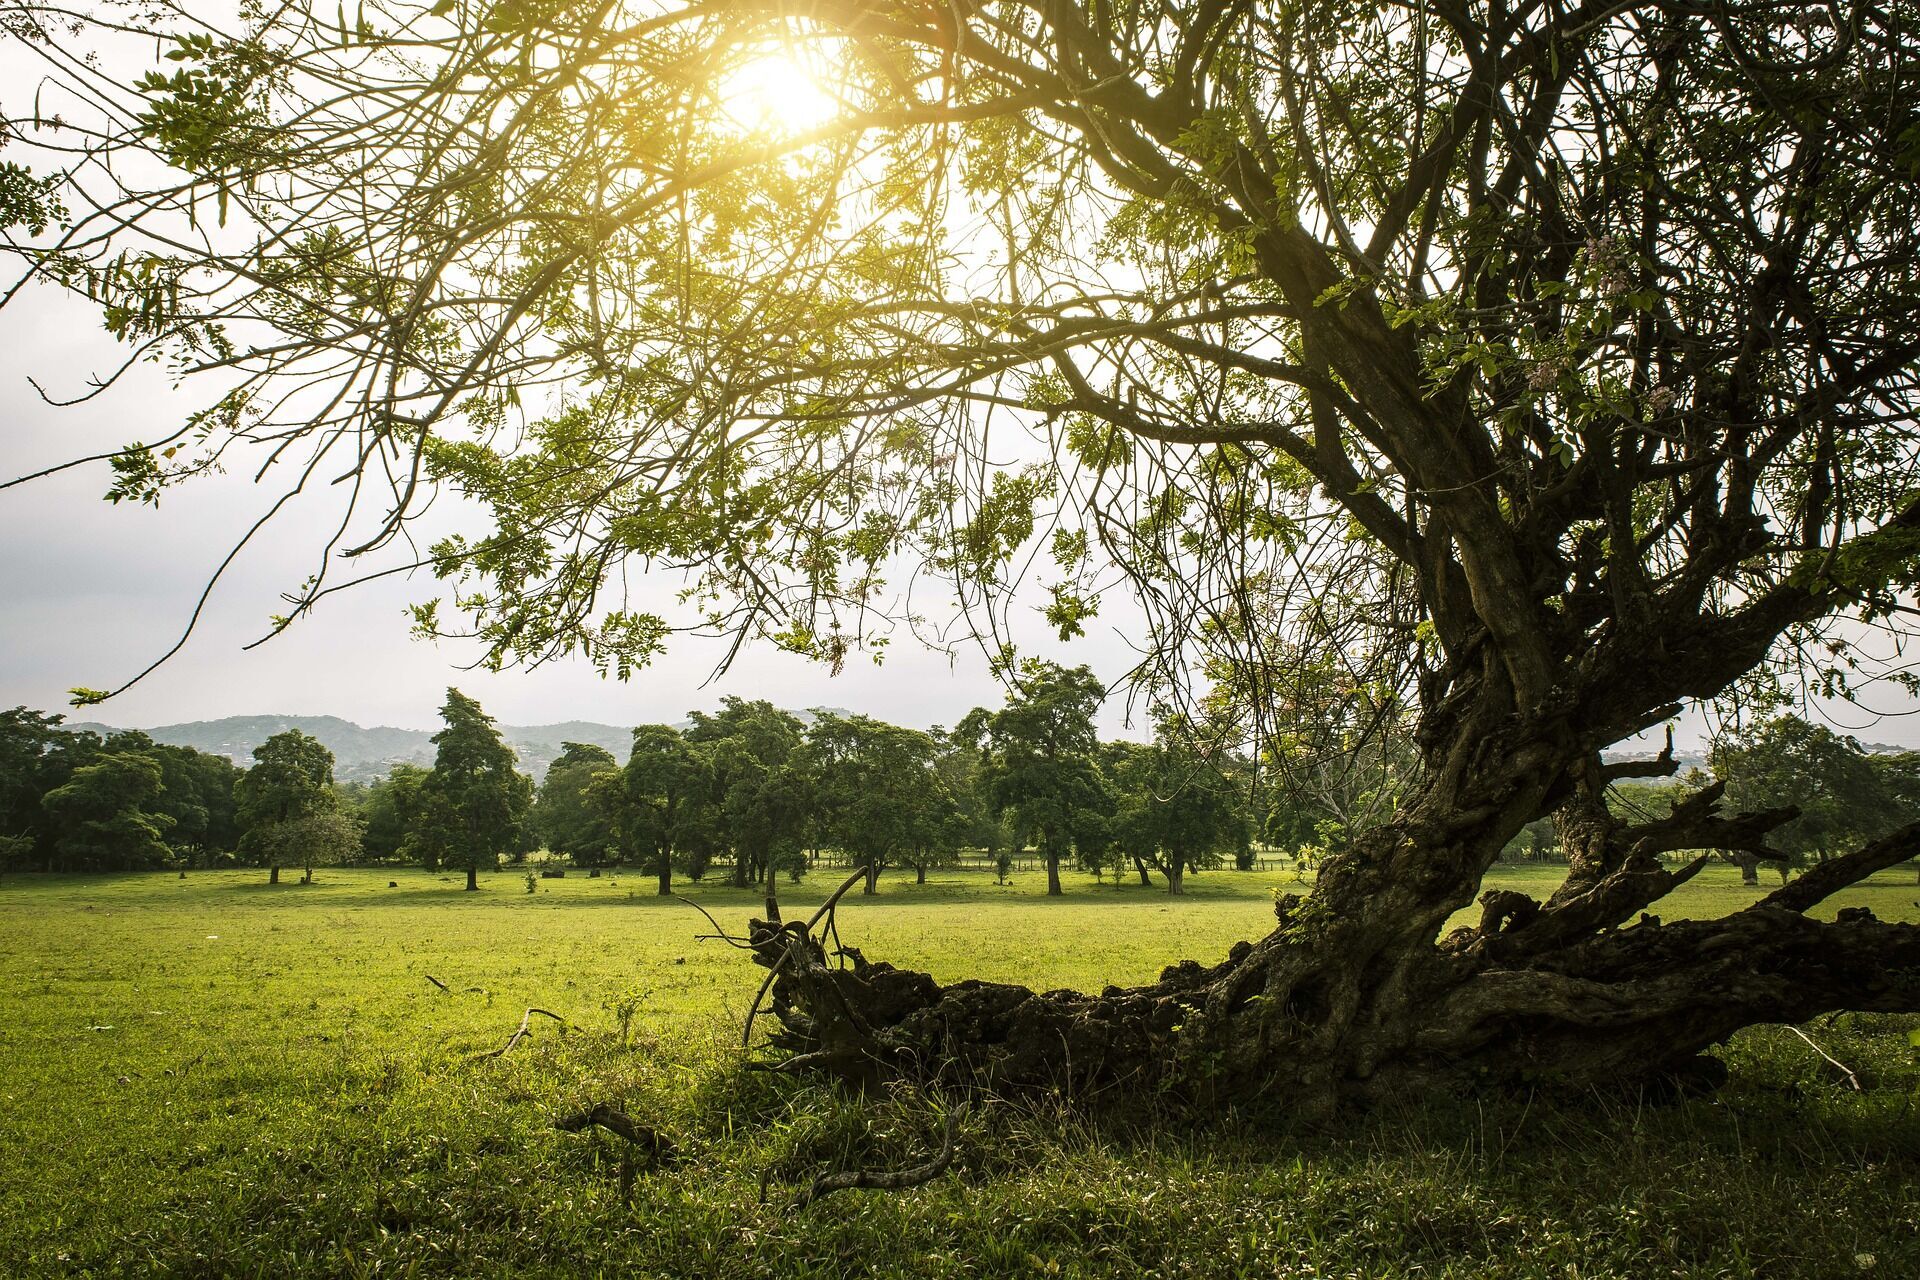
1040	751
758	800
1899	776
106	814
474	802
27	738
14	850
392	810
564	815
961	768
658	799
878	793
199	792
288	787
1176	806
1789	761
326	837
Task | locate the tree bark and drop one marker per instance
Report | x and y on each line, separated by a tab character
473	878
273	875
1140	865
664	870
1053	873
1176	877
872	886
920	873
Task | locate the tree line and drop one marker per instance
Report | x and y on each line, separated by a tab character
761	792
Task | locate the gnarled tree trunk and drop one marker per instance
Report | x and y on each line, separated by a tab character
1356	993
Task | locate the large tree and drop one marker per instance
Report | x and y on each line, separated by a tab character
287	809
565	813
473	802
1040	757
1556	360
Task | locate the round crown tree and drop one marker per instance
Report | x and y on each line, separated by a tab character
1553	363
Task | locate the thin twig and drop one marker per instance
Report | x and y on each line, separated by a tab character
719	930
436	982
1848	1071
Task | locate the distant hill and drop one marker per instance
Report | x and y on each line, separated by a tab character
362	755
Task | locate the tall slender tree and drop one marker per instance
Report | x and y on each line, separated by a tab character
1041	753
474	801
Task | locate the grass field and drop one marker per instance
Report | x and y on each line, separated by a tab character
207	1076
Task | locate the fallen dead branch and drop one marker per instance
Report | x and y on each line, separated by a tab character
650	1142
653	1147
524	1030
436	982
882	1180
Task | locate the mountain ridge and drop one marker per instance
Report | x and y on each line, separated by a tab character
362	754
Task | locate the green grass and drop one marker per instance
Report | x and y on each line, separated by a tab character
211	1077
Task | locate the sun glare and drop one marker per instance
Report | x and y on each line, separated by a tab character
779	92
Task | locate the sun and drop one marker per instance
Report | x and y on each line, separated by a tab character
782	91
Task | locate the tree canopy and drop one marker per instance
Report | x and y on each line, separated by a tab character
473	802
565	814
287	805
1553	364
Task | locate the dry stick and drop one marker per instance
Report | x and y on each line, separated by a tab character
1852	1079
436	982
719	930
828	1183
523	1031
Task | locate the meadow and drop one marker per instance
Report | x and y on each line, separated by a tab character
208	1077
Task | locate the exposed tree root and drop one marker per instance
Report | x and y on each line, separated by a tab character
886	1180
646	1140
1331	1009
650	1145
